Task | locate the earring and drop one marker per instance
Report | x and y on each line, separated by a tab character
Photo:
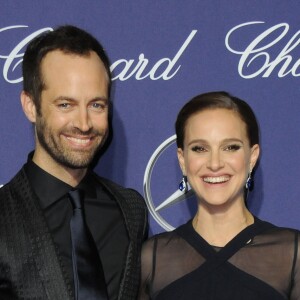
183	186
249	181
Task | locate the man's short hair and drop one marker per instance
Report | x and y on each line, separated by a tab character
68	39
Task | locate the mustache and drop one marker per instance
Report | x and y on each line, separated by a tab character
90	132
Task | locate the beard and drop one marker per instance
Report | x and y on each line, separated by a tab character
50	141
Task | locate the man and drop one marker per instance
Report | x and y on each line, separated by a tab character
67	82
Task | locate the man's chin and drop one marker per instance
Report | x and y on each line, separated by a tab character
77	166
74	162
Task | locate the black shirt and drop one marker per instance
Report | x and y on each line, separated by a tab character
103	216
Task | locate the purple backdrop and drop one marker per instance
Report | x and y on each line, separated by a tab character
162	54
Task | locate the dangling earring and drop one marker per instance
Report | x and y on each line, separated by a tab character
183	185
249	181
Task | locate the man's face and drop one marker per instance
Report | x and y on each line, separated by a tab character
73	121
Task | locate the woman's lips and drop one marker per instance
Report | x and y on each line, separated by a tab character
216	179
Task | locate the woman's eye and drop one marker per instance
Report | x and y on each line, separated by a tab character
198	149
232	148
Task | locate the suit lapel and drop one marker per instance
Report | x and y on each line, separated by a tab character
42	246
135	218
127	214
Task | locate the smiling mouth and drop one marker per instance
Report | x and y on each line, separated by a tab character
219	179
79	141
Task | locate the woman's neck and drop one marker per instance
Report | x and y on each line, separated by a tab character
220	227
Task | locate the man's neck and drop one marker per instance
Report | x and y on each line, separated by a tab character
68	175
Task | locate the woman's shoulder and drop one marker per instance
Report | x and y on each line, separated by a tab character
277	228
278	234
161	238
165	240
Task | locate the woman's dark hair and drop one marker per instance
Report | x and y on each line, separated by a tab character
215	100
68	39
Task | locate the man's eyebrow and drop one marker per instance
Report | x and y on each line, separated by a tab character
71	99
61	98
100	99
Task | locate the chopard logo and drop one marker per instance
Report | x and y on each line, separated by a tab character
122	69
177	196
269	52
14	58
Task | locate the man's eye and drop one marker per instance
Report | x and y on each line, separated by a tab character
98	106
232	148
64	105
198	149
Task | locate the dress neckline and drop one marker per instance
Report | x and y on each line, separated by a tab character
188	233
192	228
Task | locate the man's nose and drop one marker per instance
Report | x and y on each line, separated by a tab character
83	121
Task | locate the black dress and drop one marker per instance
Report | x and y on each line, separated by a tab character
260	263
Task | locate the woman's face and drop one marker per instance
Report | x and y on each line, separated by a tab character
217	157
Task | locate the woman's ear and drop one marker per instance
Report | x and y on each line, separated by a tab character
255	150
28	106
181	160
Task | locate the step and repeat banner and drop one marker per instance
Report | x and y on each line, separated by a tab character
164	52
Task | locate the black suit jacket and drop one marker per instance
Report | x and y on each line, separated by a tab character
30	266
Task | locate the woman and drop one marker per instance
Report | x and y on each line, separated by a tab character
224	252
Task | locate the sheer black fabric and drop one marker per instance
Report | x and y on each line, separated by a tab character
260	263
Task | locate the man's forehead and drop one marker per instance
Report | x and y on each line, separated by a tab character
55	59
